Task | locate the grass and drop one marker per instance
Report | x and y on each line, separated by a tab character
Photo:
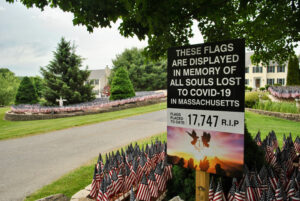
14	129
285	107
79	178
265	124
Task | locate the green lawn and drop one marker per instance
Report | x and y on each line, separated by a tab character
14	129
265	124
76	180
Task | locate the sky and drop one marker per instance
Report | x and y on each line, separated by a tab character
28	38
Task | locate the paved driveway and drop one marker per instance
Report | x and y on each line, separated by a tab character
27	164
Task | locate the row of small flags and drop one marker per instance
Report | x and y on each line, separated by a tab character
144	169
88	106
285	91
278	181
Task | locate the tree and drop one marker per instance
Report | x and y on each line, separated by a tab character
26	92
63	77
293	76
9	85
141	70
121	86
271	28
39	85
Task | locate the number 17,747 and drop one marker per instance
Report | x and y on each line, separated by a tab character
201	120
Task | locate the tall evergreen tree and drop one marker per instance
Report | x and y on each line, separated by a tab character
26	92
293	76
121	86
63	77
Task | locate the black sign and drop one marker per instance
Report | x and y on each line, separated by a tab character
207	76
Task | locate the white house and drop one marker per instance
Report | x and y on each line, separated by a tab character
260	75
99	79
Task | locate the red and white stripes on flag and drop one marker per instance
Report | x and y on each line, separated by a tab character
143	192
219	194
119	184
152	184
160	179
250	192
211	190
94	190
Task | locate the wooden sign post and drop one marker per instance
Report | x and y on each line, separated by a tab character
202	185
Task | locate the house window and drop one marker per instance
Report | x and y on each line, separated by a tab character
271	81
96	81
280	81
280	69
92	82
246	81
257	69
271	69
96	92
247	70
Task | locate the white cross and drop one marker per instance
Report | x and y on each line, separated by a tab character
61	101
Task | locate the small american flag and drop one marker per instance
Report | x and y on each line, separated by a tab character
167	170
296	197
230	196
279	192
211	191
219	194
143	190
114	179
152	184
291	191
250	192
257	139
161	181
129	179
119	184
94	190
273	179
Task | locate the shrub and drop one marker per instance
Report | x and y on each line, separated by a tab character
267	86
251	98
182	183
121	86
26	92
262	88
